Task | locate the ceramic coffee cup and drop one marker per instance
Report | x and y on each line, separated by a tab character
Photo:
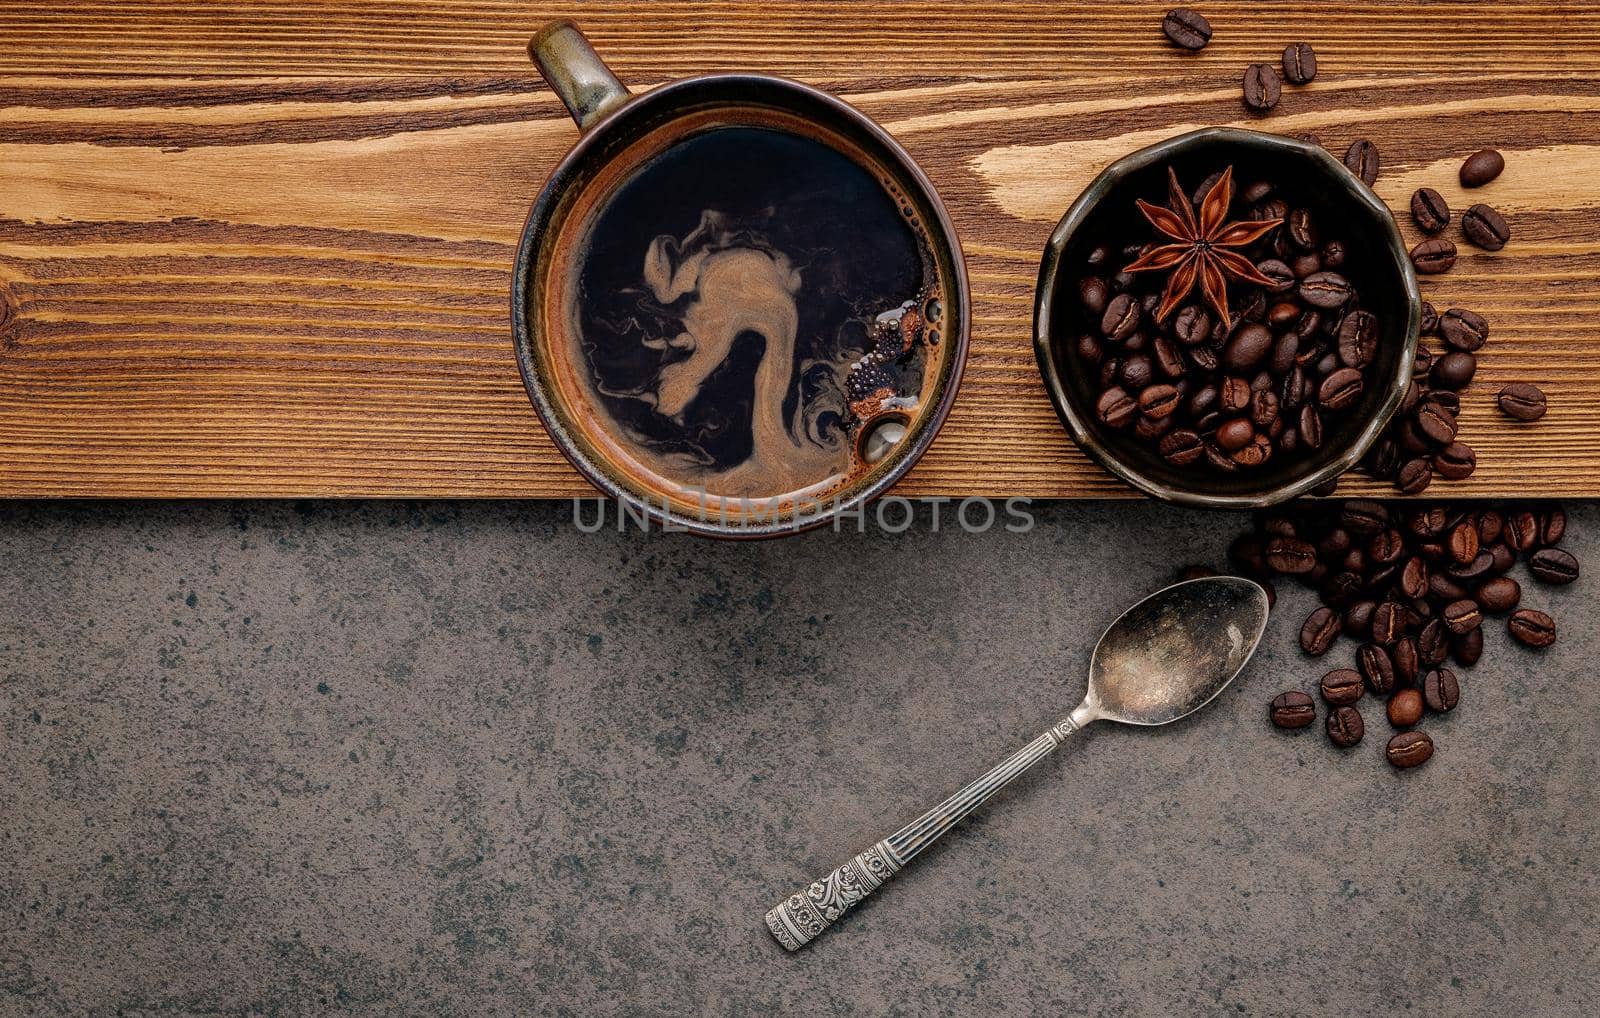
739	307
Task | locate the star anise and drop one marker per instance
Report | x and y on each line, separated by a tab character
1201	253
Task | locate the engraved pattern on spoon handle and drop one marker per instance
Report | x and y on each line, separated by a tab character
799	918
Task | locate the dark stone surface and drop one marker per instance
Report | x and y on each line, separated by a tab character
461	759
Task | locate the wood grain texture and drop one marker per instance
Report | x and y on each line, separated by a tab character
263	248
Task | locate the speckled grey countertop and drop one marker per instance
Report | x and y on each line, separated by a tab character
462	759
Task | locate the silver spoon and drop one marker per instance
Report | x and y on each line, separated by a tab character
1163	659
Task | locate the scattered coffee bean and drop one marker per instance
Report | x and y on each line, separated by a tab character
1552	565
1454	370
1532	628
1455	461
1500	594
1409	749
1429	210
1468	648
1522	401
1552	526
1376	668
1485	227
1463	329
1462	616
1433	256
1406	659
1116	408
1481	167
1362	159
1293	709
1440	690
1186	29
1388	622
1321	628
1261	87
1405	708
1342	686
1345	727
1299	63
1415	476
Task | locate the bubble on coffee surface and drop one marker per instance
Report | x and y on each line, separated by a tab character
749	303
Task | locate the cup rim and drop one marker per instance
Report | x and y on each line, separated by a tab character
1080	428
539	215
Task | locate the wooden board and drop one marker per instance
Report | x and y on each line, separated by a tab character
262	248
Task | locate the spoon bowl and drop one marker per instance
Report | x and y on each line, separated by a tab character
1172	653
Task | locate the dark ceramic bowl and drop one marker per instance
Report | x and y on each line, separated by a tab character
1379	268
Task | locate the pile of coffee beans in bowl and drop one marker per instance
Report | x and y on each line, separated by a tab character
1227	337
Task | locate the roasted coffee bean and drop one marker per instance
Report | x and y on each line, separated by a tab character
1490	524
1463	543
1456	461
1385	547
1443	587
1430	320
1291	555
1326	290
1258	190
1110	370
1433	644
1345	726
1388	623
1264	408
1282	276
1435	423
1340	389
1440	690
1447	398
1485	227
1433	256
1499	595
1552	565
1301	230
1248	348
1405	708
1121	317
1281	360
1186	29
1342	686
1261	87
1158	401
1116	408
1293	709
1503	558
1137	372
1552	526
1256	453
1409	749
1203	400
1235	434
1333	254
1234	395
1299	63
1467	648
1192	326
1319	631
1310	427
1362	160
1429	210
1364	517
1340	590
1376	668
1414	577
1522	531
1475	570
1357	619
1462	616
1282	314
1481	167
1358	339
1532	628
1454	370
1093	294
1522	401
1414	477
1181	447
1407	660
1167	357
1463	329
1090	348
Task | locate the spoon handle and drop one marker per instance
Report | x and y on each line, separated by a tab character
799	918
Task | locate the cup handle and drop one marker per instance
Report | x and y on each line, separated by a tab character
576	73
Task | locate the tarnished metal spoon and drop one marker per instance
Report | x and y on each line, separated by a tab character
1164	658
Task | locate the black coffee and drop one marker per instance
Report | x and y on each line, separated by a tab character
743	305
